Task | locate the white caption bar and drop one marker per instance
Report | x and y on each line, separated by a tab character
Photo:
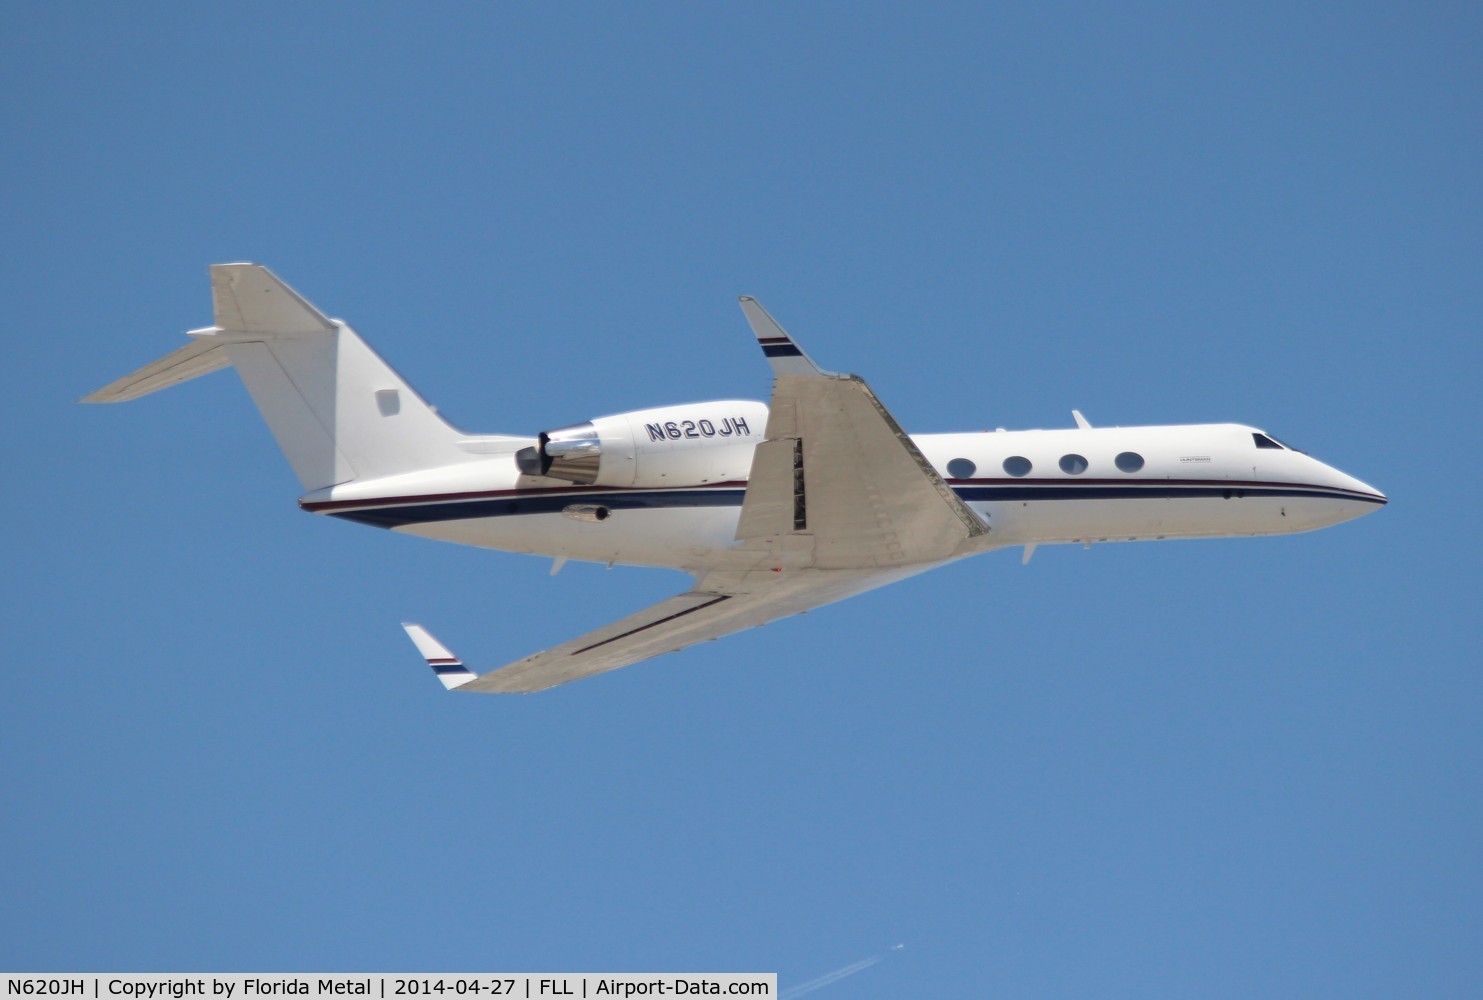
390	986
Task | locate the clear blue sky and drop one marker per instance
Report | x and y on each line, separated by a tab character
1223	769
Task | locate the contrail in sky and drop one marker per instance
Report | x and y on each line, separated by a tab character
830	978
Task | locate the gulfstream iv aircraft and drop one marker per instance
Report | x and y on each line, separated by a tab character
772	508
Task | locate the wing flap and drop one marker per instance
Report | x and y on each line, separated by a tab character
778	504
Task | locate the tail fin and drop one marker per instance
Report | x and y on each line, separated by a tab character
339	412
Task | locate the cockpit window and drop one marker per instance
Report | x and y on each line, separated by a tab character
1268	441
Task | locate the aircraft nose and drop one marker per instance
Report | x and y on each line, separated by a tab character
1370	493
1366	498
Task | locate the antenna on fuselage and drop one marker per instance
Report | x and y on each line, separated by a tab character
1081	421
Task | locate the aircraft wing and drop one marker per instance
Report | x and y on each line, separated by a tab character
720	603
837	483
839	501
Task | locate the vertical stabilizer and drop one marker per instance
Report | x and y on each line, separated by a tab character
338	411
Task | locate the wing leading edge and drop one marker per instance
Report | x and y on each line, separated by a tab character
720	604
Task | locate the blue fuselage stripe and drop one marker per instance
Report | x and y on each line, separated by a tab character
409	511
424	513
1151	491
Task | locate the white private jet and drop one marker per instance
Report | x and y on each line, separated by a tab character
773	509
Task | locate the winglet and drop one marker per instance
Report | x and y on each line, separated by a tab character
449	668
782	351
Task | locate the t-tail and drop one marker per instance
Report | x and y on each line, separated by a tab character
339	412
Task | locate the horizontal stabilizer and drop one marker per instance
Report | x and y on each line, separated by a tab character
197	358
247	298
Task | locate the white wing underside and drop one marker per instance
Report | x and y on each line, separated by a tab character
199	357
839	501
705	613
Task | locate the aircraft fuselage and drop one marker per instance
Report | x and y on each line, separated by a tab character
1033	487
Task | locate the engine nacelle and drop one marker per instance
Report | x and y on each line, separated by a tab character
685	445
